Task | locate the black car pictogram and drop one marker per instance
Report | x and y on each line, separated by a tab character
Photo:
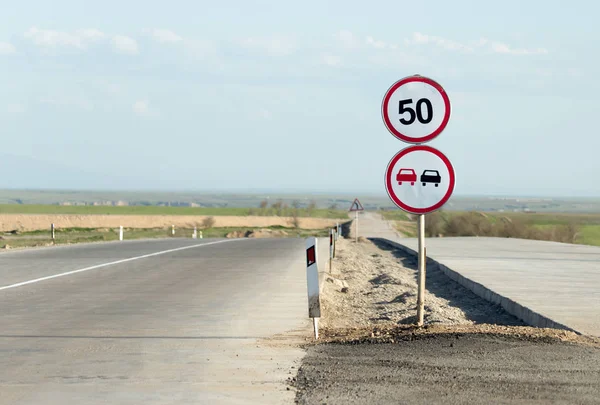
431	176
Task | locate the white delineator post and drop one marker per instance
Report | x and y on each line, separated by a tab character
422	268
195	234
201	235
312	283
52	231
173	230
121	233
335	238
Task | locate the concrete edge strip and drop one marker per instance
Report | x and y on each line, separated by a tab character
68	273
514	308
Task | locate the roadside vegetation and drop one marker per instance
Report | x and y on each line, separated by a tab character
560	227
402	221
276	208
11	240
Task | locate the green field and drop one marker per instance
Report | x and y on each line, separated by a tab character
561	227
87	235
160	210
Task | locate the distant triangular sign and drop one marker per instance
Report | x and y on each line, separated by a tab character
356	206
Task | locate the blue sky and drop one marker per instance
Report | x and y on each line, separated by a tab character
246	95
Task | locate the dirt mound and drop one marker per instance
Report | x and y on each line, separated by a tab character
268	233
381	289
391	334
258	233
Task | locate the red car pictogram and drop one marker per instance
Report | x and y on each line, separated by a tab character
406	175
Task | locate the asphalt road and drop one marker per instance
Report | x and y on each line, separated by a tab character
451	369
163	321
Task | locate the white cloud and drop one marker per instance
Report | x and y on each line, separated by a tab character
52	38
15	108
6	48
79	39
165	36
575	72
91	34
265	114
482	43
261	114
499	47
113	88
125	44
272	45
141	107
376	43
331	60
448	44
347	39
68	101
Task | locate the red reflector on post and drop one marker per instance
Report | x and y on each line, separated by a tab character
310	256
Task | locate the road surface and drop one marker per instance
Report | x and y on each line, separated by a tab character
162	321
451	369
556	280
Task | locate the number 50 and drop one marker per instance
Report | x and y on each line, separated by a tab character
402	108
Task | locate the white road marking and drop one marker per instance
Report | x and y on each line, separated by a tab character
68	273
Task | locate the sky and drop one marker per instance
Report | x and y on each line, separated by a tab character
286	96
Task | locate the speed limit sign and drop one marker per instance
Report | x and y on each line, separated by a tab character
416	109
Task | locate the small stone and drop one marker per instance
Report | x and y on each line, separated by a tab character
344	289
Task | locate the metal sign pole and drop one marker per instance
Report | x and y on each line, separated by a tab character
356	220
422	268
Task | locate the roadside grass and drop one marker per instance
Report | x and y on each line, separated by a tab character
158	210
560	227
86	235
590	235
406	228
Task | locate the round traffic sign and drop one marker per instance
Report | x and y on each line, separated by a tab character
416	109
419	179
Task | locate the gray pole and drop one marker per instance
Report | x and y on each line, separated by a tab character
422	260
356	220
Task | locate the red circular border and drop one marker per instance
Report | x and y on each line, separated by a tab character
386	100
389	176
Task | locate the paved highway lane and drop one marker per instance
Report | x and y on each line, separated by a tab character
181	325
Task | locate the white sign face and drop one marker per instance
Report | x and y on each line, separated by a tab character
416	109
419	179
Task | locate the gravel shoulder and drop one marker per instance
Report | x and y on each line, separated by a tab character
469	351
372	284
